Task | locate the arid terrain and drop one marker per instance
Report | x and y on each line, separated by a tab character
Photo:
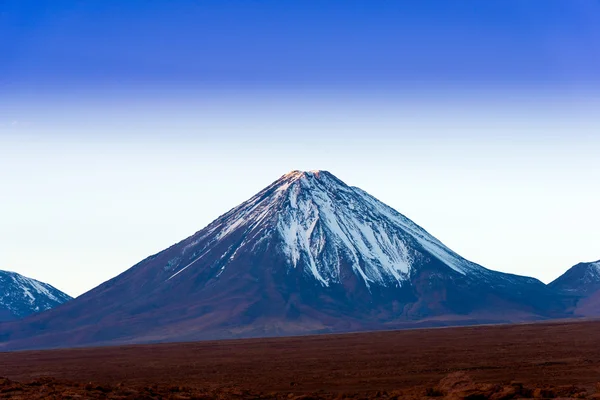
559	359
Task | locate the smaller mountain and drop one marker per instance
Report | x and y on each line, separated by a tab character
581	279
582	283
21	296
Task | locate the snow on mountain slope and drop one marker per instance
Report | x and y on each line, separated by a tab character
323	223
21	296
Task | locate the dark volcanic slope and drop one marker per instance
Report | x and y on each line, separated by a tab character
307	254
21	296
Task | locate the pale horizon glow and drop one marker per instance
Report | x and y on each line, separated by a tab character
90	189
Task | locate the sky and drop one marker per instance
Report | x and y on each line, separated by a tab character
128	126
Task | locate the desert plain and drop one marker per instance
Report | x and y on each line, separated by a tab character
558	359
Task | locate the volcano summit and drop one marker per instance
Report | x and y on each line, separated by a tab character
307	254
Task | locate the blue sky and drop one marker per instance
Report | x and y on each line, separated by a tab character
270	43
127	126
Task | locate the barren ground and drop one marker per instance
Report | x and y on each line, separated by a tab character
510	361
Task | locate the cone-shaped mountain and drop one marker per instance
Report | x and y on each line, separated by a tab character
307	254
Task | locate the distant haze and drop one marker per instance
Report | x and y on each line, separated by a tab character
125	128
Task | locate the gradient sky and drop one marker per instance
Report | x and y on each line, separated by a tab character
127	126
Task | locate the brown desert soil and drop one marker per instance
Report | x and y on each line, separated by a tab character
544	360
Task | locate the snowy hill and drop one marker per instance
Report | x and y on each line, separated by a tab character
21	296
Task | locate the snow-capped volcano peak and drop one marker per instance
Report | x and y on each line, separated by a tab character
322	225
296	175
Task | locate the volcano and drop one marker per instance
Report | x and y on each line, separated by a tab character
307	254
